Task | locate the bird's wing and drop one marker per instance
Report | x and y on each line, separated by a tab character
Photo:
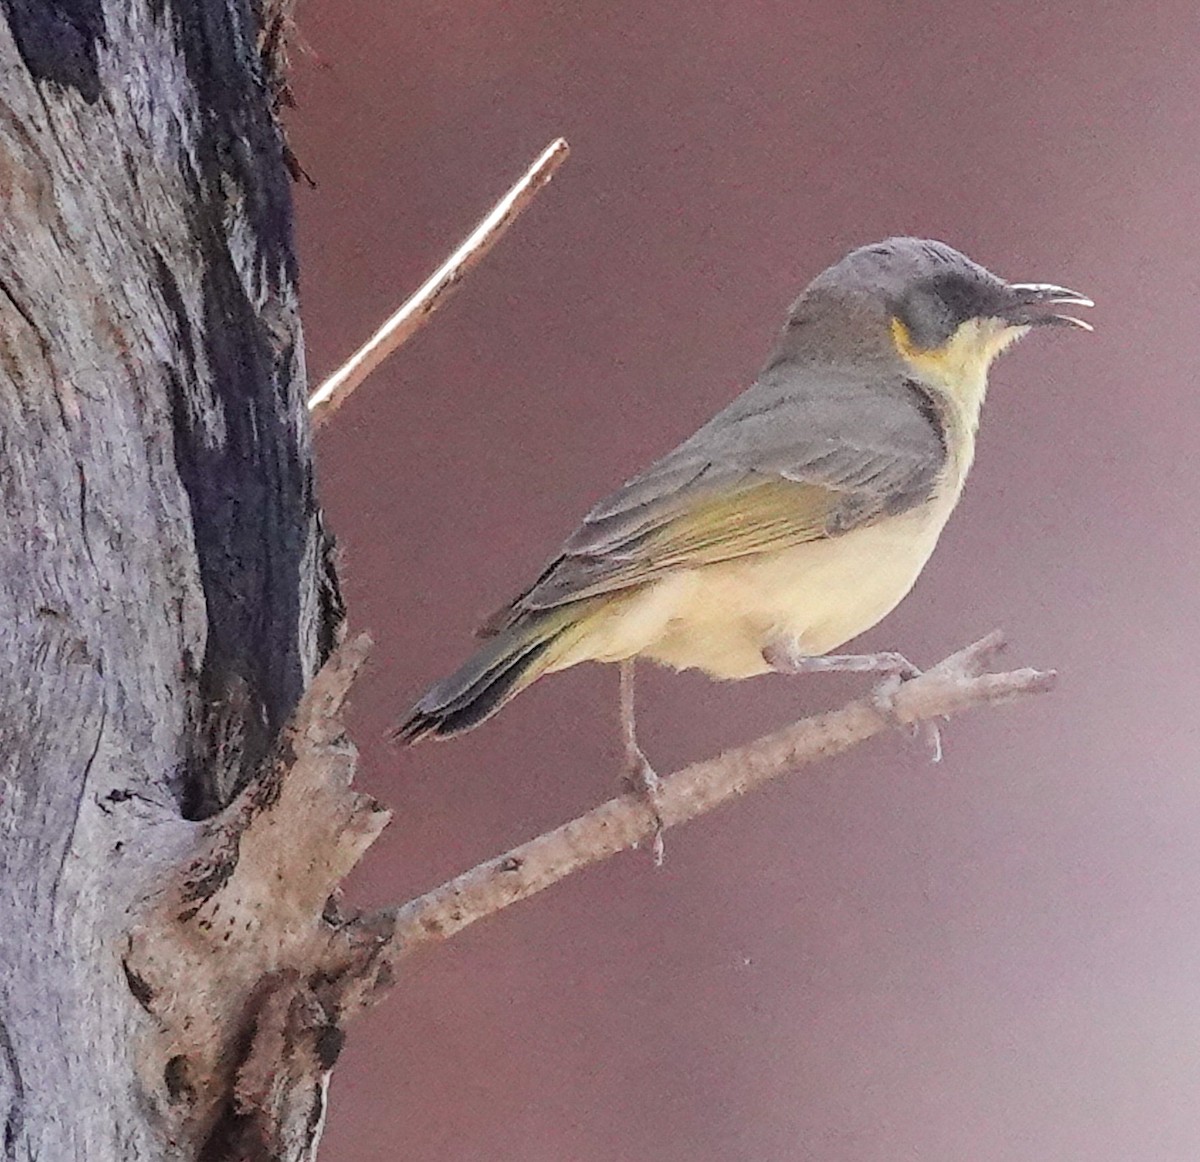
804	454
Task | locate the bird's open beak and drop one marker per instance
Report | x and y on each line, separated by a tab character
1028	297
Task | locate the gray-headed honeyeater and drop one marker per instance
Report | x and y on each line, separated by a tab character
793	520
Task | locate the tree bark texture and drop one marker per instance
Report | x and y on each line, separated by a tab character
166	587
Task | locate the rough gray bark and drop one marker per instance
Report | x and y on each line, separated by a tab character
166	593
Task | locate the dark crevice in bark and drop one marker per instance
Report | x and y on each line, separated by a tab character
251	674
250	487
21	310
252	495
58	41
240	140
15	1085
331	612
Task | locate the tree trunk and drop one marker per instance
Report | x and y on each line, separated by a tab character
166	597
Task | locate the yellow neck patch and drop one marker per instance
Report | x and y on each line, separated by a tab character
960	365
957	371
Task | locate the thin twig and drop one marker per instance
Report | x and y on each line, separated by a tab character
437	287
958	683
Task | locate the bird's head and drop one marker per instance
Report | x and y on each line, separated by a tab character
944	315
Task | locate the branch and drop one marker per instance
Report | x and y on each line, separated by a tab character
436	288
249	966
956	684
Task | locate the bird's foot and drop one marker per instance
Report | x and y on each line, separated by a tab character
640	777
896	668
884	699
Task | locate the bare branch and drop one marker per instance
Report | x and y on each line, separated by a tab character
436	288
251	924
956	684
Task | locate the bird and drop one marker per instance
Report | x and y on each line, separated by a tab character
796	518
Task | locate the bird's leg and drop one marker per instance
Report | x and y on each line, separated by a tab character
639	774
895	668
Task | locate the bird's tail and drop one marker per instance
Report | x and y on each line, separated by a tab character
493	676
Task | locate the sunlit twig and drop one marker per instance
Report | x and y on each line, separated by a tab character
437	287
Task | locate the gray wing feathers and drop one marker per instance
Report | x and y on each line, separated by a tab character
877	441
813	427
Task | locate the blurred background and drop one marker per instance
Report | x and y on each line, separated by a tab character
996	959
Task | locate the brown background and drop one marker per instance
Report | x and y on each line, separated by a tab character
995	959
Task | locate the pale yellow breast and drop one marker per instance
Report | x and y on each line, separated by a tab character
815	596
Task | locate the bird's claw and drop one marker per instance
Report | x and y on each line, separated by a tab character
640	778
883	698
